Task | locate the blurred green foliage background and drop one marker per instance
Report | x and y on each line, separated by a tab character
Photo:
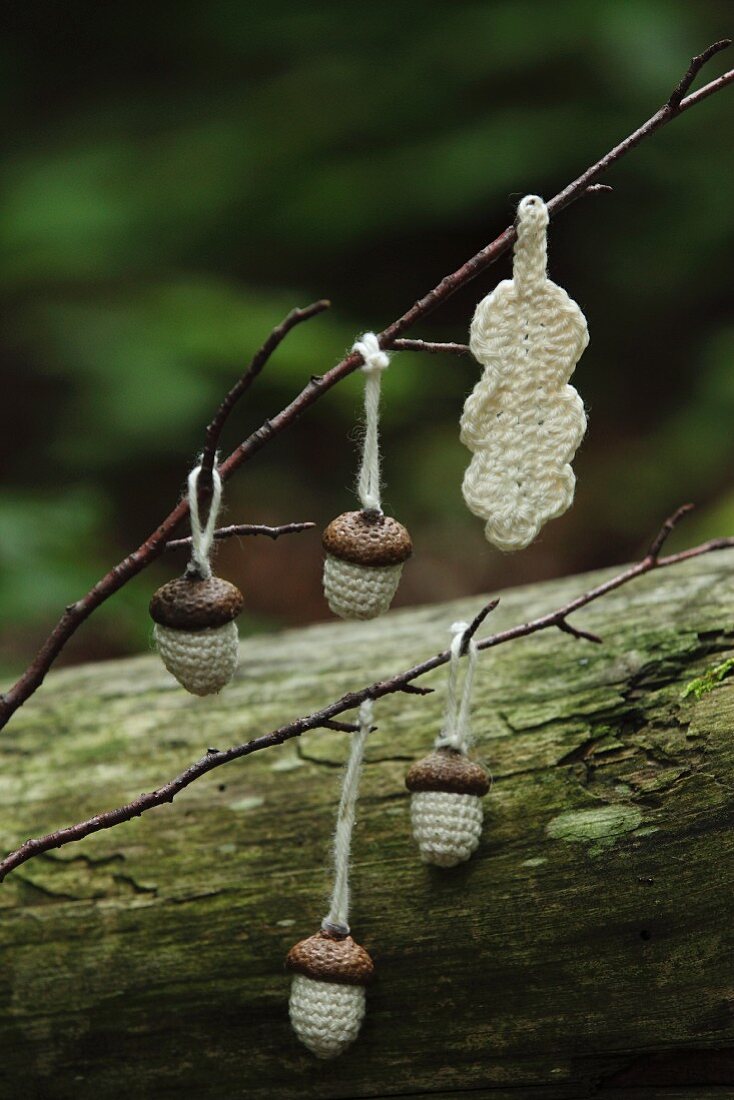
177	176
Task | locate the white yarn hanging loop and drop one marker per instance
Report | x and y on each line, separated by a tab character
456	732
202	538
337	919
375	362
530	256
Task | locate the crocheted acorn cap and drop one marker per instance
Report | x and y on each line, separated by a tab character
329	958
191	603
447	770
367	538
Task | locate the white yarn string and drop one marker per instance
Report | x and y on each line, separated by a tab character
337	919
456	731
375	362
202	538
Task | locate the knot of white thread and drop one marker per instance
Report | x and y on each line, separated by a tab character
530	256
202	538
375	362
368	346
456	731
337	919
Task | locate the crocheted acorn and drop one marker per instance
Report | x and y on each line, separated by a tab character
446	806
327	1001
365	552
195	631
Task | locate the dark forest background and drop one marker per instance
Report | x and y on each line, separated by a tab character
177	176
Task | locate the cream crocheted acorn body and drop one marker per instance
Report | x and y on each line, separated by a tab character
523	422
326	1016
359	591
202	661
447	827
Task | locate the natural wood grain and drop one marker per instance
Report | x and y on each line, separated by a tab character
593	927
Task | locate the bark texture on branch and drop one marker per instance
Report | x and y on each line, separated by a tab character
586	950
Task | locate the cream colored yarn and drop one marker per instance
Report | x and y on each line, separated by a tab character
523	422
202	538
203	661
447	827
375	362
326	1016
359	591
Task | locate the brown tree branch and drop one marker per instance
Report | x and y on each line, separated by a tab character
237	529
327	716
76	613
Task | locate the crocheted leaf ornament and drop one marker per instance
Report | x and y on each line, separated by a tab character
523	422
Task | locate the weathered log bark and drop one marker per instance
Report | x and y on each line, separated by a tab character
586	949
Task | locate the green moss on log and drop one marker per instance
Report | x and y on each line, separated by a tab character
585	948
711	678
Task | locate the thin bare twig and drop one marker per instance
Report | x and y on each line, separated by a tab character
242	385
667	530
575	632
432	347
697	63
325	717
76	613
341	727
237	529
474	625
661	117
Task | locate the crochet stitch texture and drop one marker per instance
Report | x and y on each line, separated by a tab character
359	591
326	1016
203	661
447	827
523	422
